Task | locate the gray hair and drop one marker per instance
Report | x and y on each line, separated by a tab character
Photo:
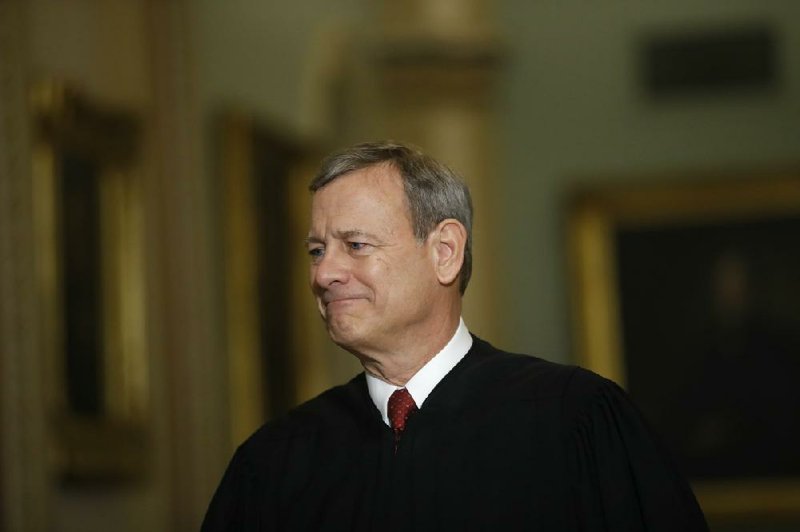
433	191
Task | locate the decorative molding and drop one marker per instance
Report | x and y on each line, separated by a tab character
437	63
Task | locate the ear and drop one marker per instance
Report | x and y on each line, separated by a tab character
448	241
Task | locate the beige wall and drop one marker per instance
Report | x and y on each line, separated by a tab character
100	49
102	46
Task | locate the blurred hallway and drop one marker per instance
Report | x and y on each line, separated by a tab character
154	158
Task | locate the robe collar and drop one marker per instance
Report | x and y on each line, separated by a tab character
425	380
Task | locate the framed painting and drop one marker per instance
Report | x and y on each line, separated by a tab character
89	241
688	294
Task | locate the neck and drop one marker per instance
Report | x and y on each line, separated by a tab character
397	366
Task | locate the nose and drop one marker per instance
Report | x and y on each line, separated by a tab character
331	268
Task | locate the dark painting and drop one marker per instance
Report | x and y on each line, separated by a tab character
82	283
711	337
272	165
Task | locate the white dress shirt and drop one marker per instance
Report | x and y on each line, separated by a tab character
425	380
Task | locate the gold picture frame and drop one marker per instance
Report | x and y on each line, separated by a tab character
673	228
89	234
274	343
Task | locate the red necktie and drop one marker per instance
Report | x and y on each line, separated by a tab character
401	405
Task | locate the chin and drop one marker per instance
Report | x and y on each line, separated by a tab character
339	328
345	334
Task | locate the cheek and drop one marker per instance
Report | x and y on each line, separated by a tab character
411	277
394	277
379	277
312	275
374	273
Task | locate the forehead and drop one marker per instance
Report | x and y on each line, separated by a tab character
372	195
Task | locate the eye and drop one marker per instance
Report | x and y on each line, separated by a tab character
316	253
357	246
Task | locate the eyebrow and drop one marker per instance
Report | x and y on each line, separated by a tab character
355	233
344	235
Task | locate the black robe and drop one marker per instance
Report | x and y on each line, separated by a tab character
504	442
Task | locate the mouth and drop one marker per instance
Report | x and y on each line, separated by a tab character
333	301
340	301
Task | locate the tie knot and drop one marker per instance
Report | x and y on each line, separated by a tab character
401	405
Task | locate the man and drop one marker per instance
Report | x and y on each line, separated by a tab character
442	431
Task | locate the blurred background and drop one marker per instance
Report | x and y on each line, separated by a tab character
634	167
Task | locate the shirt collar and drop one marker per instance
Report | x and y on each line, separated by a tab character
425	380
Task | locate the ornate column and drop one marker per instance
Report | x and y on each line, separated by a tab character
185	318
437	62
23	440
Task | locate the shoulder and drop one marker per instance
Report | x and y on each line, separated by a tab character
534	373
338	410
571	388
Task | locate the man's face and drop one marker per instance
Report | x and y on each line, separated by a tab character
373	282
